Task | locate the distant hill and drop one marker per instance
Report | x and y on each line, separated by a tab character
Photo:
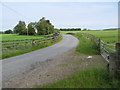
111	29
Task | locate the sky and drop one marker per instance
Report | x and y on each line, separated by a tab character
91	15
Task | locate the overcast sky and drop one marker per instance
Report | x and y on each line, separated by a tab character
91	15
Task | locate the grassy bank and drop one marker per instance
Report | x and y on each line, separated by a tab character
86	46
12	52
89	78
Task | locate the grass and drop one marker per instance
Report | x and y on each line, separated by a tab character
14	37
12	52
89	78
86	46
108	36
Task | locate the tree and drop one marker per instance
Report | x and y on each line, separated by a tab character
8	31
20	28
31	29
1	32
44	27
85	29
56	30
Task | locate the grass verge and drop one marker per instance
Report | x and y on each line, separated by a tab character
89	78
86	46
13	52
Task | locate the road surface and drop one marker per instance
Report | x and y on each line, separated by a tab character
14	66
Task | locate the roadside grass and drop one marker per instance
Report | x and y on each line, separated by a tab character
12	52
14	37
86	46
89	78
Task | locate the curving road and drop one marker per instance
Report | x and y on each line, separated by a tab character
19	64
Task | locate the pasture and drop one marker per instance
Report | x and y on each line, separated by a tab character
108	36
15	37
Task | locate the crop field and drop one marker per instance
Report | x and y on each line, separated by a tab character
108	36
14	37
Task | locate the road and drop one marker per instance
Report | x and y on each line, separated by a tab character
14	66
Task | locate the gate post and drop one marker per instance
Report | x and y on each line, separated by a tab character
112	63
118	56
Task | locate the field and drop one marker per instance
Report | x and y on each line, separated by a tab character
13	37
108	36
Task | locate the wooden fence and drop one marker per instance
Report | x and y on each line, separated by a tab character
111	53
27	43
106	50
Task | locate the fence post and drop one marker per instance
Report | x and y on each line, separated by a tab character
99	46
118	56
112	63
32	42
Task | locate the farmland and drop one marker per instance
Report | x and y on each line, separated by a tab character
108	36
14	37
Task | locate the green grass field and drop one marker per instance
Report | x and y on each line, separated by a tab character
13	37
108	36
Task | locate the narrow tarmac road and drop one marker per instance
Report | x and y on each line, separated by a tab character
14	66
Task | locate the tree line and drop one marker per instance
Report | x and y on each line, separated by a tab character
42	27
70	29
73	29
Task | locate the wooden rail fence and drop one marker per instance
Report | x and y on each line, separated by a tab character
111	53
27	43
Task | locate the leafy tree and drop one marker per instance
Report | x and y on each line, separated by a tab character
70	29
8	31
31	29
85	29
44	27
20	28
56	30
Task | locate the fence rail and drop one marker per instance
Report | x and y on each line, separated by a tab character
27	43
105	50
